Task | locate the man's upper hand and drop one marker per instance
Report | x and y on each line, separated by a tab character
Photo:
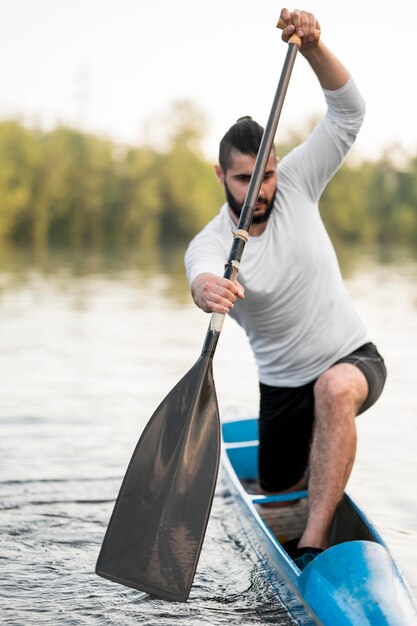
215	294
331	73
301	23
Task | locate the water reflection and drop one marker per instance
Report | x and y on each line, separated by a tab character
161	267
90	345
152	268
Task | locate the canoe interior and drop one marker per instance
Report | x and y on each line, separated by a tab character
287	522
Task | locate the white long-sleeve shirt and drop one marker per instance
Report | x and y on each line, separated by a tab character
297	312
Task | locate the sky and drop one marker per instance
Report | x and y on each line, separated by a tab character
115	67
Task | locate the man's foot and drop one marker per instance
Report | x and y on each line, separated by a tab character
304	556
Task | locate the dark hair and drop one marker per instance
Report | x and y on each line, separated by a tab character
245	136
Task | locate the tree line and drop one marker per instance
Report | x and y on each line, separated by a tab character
67	187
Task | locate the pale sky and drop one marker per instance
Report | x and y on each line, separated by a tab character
114	66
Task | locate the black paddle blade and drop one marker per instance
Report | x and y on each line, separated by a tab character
158	524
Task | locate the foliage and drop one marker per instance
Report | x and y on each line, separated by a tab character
67	187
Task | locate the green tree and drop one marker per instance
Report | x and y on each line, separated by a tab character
135	218
345	205
189	192
77	173
19	154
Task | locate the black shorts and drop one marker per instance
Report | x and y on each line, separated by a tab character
286	419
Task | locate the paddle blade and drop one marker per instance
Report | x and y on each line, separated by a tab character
158	524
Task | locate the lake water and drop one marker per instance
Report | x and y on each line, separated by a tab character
89	347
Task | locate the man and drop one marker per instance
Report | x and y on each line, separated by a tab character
317	368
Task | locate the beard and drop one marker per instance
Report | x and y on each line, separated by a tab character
236	207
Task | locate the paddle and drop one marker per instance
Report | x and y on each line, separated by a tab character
154	537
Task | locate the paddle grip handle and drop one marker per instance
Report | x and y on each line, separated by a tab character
295	38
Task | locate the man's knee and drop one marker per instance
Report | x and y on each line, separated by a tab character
341	385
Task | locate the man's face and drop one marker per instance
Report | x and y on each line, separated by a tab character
236	180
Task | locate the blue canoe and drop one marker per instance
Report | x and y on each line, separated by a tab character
354	582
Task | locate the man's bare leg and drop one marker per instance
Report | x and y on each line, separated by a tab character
339	393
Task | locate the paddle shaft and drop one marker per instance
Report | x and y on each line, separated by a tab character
242	232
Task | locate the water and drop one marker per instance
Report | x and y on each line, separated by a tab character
88	350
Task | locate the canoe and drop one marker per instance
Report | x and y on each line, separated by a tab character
355	581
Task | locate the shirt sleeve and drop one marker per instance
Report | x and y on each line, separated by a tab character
208	251
312	164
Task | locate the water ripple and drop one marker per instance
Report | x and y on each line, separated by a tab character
49	548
